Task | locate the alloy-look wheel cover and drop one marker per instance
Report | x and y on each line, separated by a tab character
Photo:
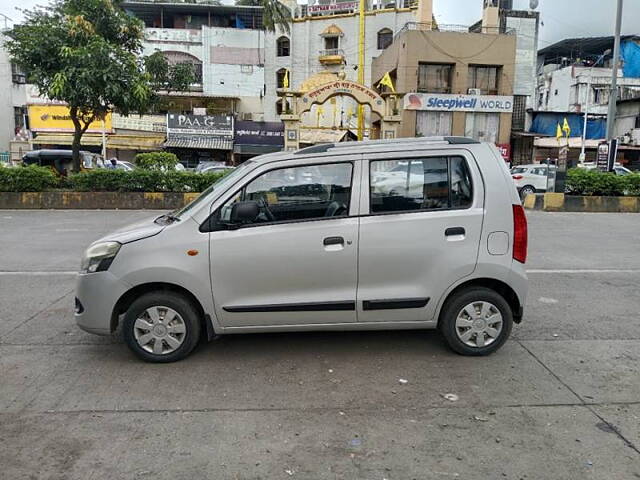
159	330
479	324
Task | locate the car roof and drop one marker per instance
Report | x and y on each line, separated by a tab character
377	146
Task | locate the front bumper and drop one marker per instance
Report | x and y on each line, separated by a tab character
97	294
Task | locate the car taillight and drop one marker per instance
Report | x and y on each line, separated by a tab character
520	235
517	177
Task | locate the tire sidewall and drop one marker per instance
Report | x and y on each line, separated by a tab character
166	299
527	190
460	300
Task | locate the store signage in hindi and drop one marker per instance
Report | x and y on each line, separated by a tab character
218	125
259	133
332	7
458	103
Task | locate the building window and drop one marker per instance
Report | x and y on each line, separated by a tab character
182	58
280	76
385	38
434	78
331	43
484	127
17	75
486	79
433	124
21	119
283	47
519	113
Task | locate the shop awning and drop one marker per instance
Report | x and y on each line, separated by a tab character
124	142
200	142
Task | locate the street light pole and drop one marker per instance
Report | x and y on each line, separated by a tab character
613	96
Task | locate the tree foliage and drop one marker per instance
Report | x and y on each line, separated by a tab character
163	161
170	78
85	53
274	13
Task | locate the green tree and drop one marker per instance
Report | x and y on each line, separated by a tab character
274	13
170	78
87	54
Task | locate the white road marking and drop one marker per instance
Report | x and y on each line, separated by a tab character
585	270
36	274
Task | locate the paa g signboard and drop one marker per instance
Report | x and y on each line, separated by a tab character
458	103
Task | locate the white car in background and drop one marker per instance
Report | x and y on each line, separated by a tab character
532	178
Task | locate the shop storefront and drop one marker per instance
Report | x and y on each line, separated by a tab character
256	138
200	138
486	118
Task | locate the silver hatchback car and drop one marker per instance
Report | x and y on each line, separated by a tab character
397	234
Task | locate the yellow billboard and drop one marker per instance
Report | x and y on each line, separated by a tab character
56	118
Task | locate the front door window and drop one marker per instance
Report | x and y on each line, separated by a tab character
297	194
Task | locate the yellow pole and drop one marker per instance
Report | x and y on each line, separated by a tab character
361	68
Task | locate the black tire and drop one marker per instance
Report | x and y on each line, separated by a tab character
454	306
527	190
163	298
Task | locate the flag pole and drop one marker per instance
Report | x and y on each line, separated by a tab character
361	41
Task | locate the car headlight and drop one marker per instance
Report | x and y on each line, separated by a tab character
98	257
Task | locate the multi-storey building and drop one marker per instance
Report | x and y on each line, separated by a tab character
455	81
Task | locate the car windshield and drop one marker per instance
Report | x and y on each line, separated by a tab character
518	170
234	174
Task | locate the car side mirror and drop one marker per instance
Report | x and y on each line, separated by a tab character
244	212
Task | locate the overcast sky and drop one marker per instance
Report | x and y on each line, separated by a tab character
560	18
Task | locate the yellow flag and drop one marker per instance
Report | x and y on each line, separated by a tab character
566	128
285	80
386	81
558	132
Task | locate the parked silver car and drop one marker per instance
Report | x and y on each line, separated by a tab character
320	239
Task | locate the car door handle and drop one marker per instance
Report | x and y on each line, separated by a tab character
451	231
333	241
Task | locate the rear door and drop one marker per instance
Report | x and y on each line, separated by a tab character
419	232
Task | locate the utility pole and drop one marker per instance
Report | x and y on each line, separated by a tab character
361	42
613	96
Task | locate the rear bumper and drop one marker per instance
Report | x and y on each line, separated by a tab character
96	295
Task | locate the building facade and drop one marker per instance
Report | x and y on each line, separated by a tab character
447	90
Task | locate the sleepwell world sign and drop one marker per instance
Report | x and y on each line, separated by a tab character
458	103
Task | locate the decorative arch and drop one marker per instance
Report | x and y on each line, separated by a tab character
360	93
283	47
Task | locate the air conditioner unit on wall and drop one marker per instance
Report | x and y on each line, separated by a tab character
474	91
247	116
635	136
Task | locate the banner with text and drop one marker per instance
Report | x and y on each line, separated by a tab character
458	103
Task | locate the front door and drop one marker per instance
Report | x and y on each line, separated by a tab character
296	262
420	232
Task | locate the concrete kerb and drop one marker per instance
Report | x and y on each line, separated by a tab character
559	202
95	200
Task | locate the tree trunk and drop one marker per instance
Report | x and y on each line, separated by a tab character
77	138
75	149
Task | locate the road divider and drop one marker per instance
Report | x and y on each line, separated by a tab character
95	200
559	202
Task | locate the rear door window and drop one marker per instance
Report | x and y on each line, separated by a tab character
434	183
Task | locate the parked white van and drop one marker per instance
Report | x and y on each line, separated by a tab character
396	234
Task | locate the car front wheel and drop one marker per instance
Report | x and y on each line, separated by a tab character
527	190
161	327
476	321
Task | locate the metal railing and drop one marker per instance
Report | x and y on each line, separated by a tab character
449	27
331	52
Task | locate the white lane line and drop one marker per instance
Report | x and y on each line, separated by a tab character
590	270
36	274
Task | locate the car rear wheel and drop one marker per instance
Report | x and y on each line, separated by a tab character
476	321
161	327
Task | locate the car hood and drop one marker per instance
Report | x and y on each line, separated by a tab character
137	231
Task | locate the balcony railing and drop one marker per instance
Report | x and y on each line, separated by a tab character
437	27
331	52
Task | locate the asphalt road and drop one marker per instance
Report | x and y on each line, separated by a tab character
561	400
